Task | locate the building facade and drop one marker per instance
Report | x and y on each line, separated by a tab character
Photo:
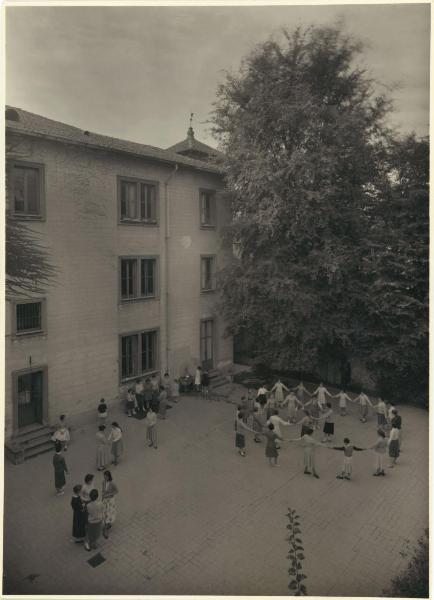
134	232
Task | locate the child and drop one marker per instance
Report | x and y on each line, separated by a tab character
139	389
321	392
271	449
329	426
61	435
393	444
101	448
300	391
130	403
148	393
278	392
277	422
198	379
60	469
102	411
364	401
257	425
205	383
306	423
240	438
151	428
348	458
380	450
293	404
309	444
162	403
175	390
381	410
343	397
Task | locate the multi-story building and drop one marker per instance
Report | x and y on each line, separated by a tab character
134	232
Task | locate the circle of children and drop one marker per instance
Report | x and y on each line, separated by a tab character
260	416
94	511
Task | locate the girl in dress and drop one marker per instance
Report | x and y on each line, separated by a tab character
348	450
94	521
306	423
293	404
271	448
321	392
309	444
364	402
131	401
175	390
62	436
60	469
115	437
101	448
198	379
109	491
240	438
380	452
257	425
329	426
162	404
277	389
79	519
393	444
151	428
300	390
342	397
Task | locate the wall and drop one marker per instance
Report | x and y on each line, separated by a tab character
84	315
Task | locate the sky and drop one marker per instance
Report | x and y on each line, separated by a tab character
137	73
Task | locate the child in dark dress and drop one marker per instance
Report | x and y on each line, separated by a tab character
80	517
60	469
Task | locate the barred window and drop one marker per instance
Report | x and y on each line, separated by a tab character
29	317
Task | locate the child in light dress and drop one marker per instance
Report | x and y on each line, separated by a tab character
62	435
348	450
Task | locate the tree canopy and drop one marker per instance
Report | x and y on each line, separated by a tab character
318	185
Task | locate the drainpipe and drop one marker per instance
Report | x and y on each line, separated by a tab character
166	260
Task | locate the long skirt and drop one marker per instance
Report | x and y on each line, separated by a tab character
101	457
109	505
93	532
363	411
59	479
394	449
117	449
240	440
271	450
79	524
292	411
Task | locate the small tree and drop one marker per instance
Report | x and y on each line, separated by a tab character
295	555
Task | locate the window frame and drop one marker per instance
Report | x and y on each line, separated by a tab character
11	189
29	332
141	374
213	224
138	283
213	287
138	181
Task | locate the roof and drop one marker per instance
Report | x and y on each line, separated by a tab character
39	126
194	145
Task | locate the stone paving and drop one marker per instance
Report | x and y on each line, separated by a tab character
196	518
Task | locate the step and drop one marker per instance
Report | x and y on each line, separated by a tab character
48	446
219	382
26	437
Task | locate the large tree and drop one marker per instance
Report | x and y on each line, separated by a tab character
308	158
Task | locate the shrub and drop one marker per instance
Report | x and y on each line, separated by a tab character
413	582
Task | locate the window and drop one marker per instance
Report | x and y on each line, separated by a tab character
207	208
138	201
138	278
29	317
26	190
207	273
139	353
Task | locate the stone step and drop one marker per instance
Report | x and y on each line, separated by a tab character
47	446
218	382
30	442
28	436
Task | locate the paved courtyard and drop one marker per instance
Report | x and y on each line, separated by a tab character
196	518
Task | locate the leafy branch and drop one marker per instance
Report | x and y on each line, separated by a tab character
295	555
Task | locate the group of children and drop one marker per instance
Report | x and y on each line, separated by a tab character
260	416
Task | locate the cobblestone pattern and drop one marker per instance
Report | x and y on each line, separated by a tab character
196	518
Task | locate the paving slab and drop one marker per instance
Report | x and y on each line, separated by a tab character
196	518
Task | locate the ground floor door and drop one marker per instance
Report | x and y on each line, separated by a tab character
207	343
30	395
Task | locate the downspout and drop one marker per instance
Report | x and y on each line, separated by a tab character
166	255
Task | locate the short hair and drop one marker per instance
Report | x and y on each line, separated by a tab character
381	433
239	407
240	414
271	426
62	417
108	475
76	489
328	404
58	446
394	411
102	400
346	440
88	478
93	494
101	427
166	374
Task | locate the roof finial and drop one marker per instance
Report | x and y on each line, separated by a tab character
190	132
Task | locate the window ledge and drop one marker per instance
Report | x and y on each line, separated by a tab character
208	291
28	334
206	226
140	376
138	222
139	299
24	217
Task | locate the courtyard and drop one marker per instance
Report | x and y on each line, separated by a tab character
196	518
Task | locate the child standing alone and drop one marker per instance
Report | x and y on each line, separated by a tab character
348	450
